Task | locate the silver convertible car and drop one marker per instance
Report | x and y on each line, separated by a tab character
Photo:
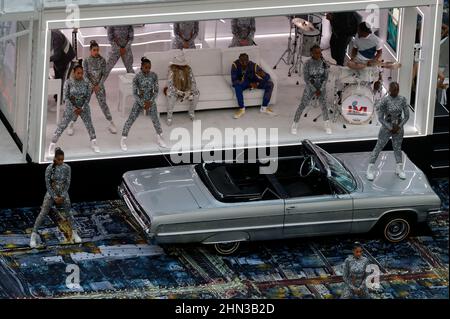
313	194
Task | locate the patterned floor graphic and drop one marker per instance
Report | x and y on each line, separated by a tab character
115	262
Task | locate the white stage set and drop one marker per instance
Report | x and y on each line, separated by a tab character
36	112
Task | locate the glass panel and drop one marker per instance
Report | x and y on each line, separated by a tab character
7	70
62	3
417	53
281	45
15	6
392	28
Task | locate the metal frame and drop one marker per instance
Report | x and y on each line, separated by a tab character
220	9
16	35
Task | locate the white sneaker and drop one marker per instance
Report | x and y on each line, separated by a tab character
123	145
327	127
294	128
112	128
94	146
70	130
33	240
51	150
160	141
370	174
192	115
169	120
400	171
267	110
75	237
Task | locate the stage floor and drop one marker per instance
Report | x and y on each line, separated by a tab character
141	140
115	262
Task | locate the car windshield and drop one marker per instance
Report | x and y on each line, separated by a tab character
339	172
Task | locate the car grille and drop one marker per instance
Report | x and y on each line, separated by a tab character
136	210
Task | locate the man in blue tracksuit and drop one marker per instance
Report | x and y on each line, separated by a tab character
246	74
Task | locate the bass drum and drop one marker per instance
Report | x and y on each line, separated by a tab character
357	104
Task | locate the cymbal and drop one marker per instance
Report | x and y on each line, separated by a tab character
303	25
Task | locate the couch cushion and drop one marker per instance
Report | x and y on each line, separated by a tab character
212	88
230	55
205	61
160	61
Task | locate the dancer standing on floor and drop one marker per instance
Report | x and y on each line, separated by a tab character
145	91
393	113
120	38
355	275
94	73
315	73
76	94
243	30
185	34
57	181
181	86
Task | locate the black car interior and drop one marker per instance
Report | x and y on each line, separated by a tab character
239	182
288	175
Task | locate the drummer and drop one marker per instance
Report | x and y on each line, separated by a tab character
367	49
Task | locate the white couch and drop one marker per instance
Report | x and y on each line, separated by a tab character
211	69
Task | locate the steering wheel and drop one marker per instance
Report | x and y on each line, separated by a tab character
312	165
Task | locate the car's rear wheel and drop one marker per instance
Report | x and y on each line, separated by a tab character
396	228
227	248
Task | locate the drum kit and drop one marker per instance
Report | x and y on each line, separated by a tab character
307	33
357	102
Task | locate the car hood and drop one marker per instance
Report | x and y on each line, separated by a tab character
386	182
168	190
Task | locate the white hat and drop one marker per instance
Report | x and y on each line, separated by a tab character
179	60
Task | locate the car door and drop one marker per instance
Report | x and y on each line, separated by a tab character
318	215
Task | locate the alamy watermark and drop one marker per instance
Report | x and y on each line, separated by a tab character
261	144
73	17
73	277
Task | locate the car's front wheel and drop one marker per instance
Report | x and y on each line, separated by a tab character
396	228
227	248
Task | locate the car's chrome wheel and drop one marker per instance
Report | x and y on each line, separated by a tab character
227	248
397	229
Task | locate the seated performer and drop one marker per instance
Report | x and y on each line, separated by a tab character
315	72
393	113
181	86
185	34
246	74
243	30
367	49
